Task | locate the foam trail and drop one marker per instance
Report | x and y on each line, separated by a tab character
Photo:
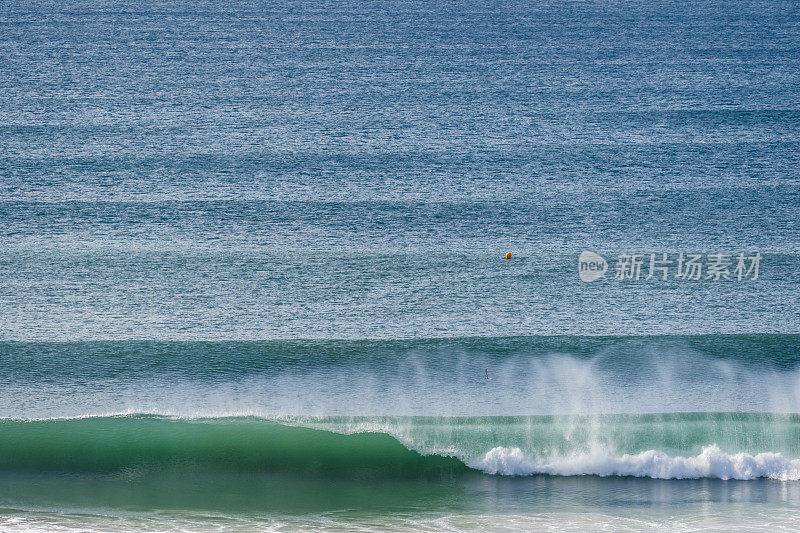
712	462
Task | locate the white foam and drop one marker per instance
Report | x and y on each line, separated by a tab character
711	462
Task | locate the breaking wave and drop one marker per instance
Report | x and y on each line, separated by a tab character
712	462
409	447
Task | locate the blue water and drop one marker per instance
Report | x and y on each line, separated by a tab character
292	213
352	170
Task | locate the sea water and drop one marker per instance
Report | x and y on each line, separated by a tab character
253	274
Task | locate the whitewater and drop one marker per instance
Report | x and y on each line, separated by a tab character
712	462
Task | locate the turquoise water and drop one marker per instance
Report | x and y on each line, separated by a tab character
570	432
252	268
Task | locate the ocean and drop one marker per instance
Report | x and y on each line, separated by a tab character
253	268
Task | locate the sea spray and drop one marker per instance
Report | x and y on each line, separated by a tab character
437	377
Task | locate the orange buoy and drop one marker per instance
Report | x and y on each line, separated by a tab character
508	255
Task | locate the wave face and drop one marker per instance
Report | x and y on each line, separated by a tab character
151	443
679	446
